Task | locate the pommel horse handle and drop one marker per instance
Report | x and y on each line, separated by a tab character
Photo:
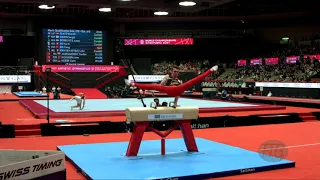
142	116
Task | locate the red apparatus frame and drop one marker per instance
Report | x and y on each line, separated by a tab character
141	127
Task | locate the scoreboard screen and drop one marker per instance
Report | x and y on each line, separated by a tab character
69	46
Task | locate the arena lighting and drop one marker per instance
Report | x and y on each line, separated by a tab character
105	9
45	6
161	13
187	3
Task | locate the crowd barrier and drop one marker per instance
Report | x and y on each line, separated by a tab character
300	90
303	90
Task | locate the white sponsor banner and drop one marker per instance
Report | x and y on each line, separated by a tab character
164	116
287	85
209	89
32	164
5	89
15	78
146	78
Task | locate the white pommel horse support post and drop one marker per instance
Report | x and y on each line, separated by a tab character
141	117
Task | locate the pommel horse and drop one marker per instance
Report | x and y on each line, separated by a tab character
141	117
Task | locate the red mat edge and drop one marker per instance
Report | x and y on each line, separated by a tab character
36	109
41	111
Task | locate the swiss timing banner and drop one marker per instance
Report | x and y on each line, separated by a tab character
21	165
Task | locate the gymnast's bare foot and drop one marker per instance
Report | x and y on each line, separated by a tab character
128	83
214	68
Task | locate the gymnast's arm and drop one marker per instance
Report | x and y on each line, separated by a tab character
165	80
72	98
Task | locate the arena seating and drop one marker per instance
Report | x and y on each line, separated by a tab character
300	72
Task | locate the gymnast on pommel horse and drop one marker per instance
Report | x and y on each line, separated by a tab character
143	116
172	86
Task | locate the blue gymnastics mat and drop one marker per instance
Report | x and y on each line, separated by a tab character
108	160
122	104
29	94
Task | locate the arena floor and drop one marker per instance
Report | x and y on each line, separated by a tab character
302	140
24	118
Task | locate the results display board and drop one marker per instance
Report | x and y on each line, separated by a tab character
69	46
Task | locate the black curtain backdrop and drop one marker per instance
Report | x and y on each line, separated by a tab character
16	47
142	65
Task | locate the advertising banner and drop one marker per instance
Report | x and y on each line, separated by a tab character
80	68
146	78
15	79
160	41
21	165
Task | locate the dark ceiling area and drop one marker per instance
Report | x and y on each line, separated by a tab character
144	9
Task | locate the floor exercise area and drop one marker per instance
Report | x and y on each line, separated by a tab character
116	107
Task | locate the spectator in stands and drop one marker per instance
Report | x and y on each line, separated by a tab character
224	94
56	93
302	71
44	89
20	88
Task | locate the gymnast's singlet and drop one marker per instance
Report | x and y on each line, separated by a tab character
78	99
173	82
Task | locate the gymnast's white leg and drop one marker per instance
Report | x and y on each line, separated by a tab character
77	106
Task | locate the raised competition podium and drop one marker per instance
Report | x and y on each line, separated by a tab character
215	160
142	117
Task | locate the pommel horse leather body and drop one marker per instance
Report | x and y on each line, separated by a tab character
141	117
161	114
